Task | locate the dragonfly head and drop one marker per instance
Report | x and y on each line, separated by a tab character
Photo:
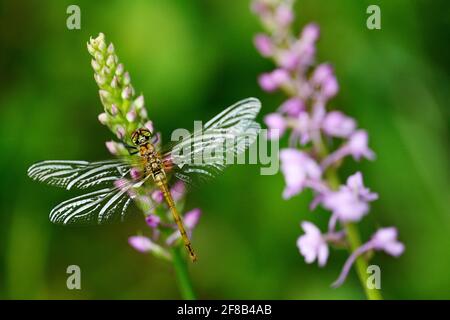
141	136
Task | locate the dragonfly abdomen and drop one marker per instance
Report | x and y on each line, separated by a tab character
161	182
154	166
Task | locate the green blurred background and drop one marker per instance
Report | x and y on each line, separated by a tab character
191	59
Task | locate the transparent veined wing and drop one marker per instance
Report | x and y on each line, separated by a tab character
203	155
112	178
241	112
79	174
100	206
94	207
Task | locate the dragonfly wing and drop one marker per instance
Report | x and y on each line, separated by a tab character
93	207
197	175
234	116
202	156
78	174
99	206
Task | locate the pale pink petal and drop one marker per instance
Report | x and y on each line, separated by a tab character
141	243
322	254
191	218
338	125
264	45
153	220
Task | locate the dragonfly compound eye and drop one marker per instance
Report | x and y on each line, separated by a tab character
135	137
145	132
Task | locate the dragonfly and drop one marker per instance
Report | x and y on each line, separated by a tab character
112	183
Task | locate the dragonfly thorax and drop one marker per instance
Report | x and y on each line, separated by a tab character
146	149
152	160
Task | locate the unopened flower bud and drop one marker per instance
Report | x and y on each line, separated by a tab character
111	146
131	115
103	118
102	46
149	125
106	70
114	82
111	48
95	65
90	48
143	113
110	61
114	109
126	93
139	102
119	70
126	79
98	56
120	132
104	94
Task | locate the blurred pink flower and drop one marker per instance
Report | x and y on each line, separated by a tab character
305	46
384	239
337	124
321	73
145	245
309	86
141	243
313	245
350	202
121	184
263	44
190	220
178	190
304	127
153	220
276	124
356	146
324	79
273	80
266	82
297	167
260	7
284	15
355	184
292	107
289	59
157	196
280	76
310	33
135	173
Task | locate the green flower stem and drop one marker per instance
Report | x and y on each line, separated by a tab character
182	275
354	241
